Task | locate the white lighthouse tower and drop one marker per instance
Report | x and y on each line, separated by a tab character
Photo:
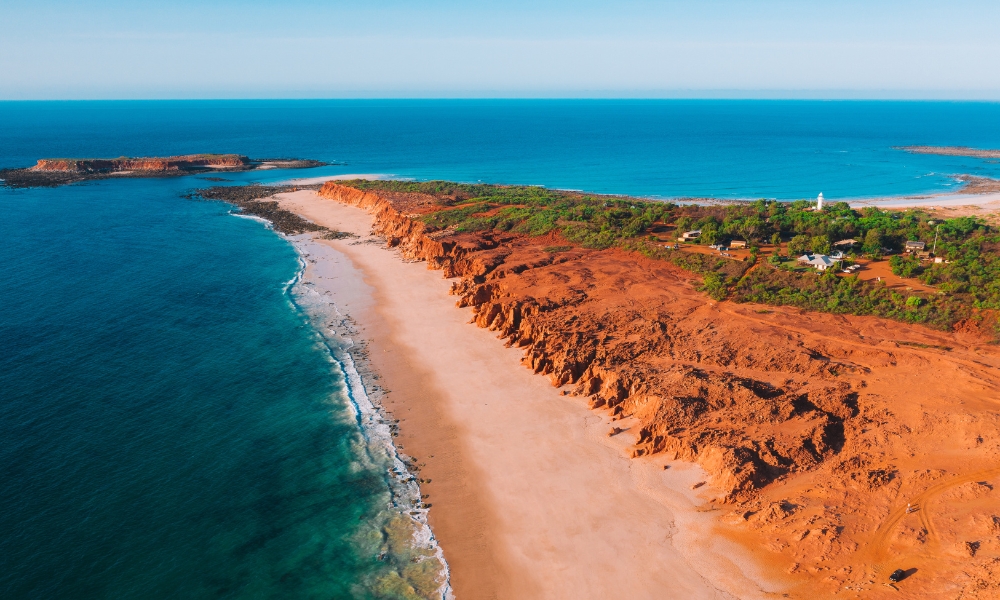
819	202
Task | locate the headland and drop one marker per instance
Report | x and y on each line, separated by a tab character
530	497
799	433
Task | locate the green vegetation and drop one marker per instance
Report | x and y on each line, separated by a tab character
590	221
968	279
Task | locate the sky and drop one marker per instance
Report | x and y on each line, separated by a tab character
97	49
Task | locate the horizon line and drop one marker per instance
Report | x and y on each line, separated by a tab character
991	99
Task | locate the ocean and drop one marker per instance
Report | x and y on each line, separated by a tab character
172	425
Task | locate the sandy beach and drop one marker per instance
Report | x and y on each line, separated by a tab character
530	497
934	201
325	178
969	203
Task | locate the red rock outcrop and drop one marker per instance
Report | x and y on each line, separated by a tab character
633	358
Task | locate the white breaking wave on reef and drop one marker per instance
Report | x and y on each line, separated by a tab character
252	218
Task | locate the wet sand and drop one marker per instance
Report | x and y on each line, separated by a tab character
530	497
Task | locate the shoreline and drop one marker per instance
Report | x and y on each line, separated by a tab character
326	308
533	498
931	200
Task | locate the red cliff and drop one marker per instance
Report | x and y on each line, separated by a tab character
816	427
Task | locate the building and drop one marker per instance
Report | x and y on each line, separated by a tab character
819	202
687	236
822	262
736	244
845	244
914	246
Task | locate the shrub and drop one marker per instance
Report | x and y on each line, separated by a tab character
714	285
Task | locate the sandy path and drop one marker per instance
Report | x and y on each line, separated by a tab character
531	498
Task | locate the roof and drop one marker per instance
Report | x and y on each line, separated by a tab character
915	244
849	242
817	260
821	260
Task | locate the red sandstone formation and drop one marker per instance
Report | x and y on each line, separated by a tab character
817	428
167	163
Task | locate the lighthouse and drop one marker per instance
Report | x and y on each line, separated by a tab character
819	202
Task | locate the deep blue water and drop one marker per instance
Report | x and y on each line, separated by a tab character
745	149
169	423
170	426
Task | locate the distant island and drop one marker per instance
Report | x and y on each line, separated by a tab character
50	172
951	151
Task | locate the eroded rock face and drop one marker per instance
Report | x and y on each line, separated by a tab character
639	342
819	429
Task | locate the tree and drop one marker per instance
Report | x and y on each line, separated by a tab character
776	239
709	235
683	224
873	243
820	244
798	245
751	227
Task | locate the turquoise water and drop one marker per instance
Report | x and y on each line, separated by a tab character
171	426
738	149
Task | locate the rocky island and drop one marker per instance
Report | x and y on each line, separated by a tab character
50	172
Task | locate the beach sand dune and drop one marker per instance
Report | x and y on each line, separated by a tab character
530	496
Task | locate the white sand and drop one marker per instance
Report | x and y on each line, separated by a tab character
933	201
325	178
530	497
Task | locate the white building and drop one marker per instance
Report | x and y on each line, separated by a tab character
822	262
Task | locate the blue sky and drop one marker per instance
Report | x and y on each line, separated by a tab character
541	48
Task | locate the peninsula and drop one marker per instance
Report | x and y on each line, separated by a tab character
843	421
50	172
